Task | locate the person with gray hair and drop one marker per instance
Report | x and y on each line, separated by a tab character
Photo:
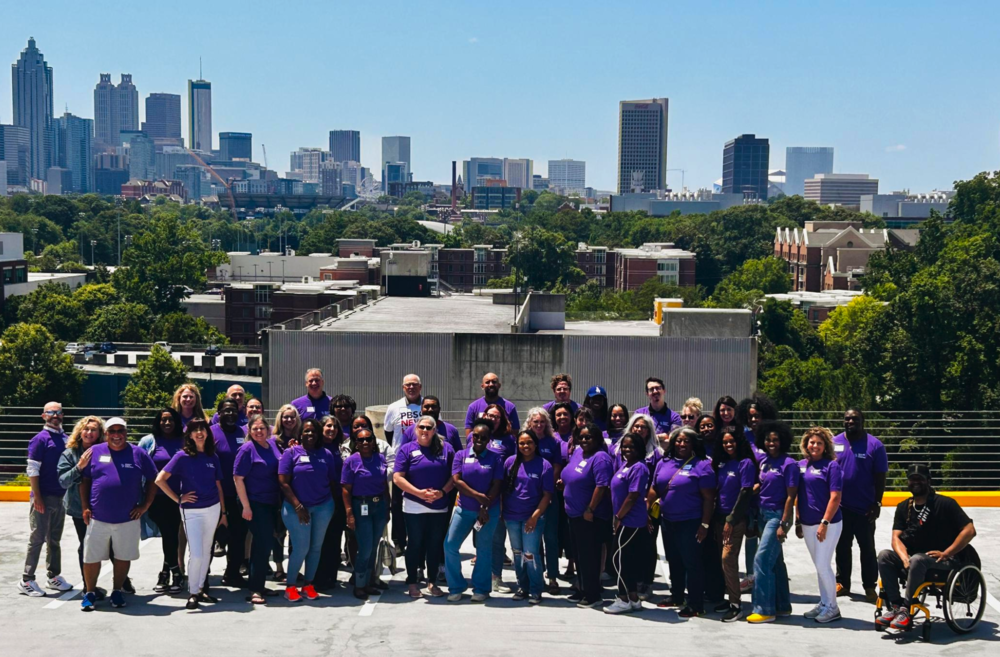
315	403
401	414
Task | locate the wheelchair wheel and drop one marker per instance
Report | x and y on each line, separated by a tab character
965	599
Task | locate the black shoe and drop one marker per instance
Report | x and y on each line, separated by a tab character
575	597
162	582
688	612
360	594
245	569
235	581
205	597
722	607
218	550
192	602
734	614
100	593
177	582
127	586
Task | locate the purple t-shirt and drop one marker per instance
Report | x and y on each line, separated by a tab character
613	436
314	473
116	480
777	475
565	437
630	479
164	450
859	461
817	479
367	476
679	485
46	447
581	476
733	476
552	450
573	406
241	419
665	419
197	474
424	470
534	478
651	461
446	429
478	473
505	446
226	446
259	468
479	406
758	453
312	408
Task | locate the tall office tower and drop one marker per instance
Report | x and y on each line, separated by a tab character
744	167
351	173
395	149
331	179
141	155
163	116
103	112
235	146
476	170
568	175
803	163
15	150
518	172
345	145
31	80
642	144
73	150
200	115
308	162
116	109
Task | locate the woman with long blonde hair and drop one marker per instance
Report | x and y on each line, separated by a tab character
86	433
187	402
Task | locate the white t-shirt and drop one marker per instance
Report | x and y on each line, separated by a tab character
399	415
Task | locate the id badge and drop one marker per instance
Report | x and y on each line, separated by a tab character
105	459
477	526
364	509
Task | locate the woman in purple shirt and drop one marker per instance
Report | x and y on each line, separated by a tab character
165	440
749	414
529	486
423	472
255	474
585	483
633	529
818	517
287	429
478	474
562	421
715	583
779	485
725	413
329	558
308	475
553	450
187	402
364	488
644	426
736	471
617	419
685	482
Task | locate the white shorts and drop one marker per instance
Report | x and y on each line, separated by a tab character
103	536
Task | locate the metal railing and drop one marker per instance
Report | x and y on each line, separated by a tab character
962	447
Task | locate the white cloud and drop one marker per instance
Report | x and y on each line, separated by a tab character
473	39
898	148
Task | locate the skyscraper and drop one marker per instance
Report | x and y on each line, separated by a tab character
200	115
163	116
73	150
475	170
116	108
15	150
235	146
345	145
31	79
803	163
642	144
395	149
103	112
308	162
744	166
568	175
141	155
518	172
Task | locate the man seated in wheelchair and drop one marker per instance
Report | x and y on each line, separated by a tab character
929	533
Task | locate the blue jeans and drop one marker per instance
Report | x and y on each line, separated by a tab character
551	538
307	540
527	555
499	546
368	532
770	589
462	522
684	554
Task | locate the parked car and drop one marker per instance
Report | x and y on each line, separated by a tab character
108	348
166	346
73	348
213	350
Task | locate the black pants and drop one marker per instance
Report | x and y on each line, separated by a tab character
236	546
397	529
426	533
566	544
329	558
632	546
857	527
587	539
261	528
687	570
711	557
167	516
890	567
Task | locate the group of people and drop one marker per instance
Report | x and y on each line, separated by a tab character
591	482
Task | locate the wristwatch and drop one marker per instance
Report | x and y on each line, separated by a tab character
786	525
704	525
824	522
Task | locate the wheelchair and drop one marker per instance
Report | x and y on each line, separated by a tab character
959	592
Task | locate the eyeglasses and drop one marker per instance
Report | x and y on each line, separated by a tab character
364	439
654	389
53	413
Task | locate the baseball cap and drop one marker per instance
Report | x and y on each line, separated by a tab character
597	391
918	470
115	422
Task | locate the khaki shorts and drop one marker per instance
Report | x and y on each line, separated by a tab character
103	536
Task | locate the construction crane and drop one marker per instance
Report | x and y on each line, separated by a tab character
264	148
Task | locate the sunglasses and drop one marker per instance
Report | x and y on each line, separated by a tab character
688	417
426	427
365	439
53	413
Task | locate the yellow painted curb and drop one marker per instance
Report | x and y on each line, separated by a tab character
14	493
965	498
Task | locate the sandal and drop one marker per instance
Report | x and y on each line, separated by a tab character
414	592
192	602
205	597
435	592
256	599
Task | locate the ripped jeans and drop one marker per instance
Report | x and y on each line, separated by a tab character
527	555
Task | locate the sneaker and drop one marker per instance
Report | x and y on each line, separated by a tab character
759	618
887	616
59	584
455	597
590	604
117	599
722	607
178	583
100	593
500	587
30	589
520	594
815	611
734	614
162	582
637	605
575	597
784	612
746	584
688	612
218	550
643	590
88	602
902	621
480	597
842	591
619	606
534	599
127	586
871	595
829	615
310	592
292	594
668	601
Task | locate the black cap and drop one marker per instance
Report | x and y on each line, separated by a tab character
919	470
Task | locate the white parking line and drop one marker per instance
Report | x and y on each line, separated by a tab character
993	602
69	595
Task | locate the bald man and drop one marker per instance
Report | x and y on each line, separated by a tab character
491	395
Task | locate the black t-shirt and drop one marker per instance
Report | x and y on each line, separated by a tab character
934	526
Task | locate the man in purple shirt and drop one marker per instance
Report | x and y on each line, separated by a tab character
46	515
491	395
562	388
113	498
240	395
864	465
432	406
666	420
315	403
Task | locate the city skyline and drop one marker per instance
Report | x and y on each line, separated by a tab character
882	121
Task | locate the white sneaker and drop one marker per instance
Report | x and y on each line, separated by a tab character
815	611
620	606
637	605
480	597
59	584
455	597
829	614
30	589
500	587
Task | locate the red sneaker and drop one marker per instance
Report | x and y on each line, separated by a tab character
292	594
902	621
888	615
310	592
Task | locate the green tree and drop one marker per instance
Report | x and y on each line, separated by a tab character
60	314
748	284
544	258
95	296
181	327
35	368
154	381
120	322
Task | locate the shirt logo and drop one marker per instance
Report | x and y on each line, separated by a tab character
731	473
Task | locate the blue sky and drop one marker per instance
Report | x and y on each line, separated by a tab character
905	91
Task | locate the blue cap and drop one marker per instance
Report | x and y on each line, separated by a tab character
597	391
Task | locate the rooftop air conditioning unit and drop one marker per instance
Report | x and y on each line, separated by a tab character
307	279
